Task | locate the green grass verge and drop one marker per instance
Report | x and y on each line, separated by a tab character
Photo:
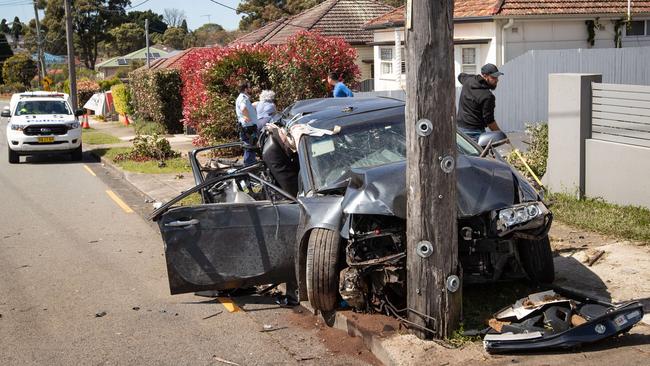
191	200
176	165
625	222
482	301
91	136
148	128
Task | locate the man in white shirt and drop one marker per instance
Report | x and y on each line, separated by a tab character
247	118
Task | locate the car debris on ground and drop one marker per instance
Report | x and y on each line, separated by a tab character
548	320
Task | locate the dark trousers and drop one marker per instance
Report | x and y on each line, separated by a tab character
249	155
472	133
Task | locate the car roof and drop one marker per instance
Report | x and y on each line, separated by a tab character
324	112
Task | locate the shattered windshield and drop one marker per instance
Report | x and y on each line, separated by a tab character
332	157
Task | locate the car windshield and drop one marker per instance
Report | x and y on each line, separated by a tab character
42	107
333	157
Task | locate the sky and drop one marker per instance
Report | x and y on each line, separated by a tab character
198	12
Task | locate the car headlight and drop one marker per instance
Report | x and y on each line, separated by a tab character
17	127
73	125
517	215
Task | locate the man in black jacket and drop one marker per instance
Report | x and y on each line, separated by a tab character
476	104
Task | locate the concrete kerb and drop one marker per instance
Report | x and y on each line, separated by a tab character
118	172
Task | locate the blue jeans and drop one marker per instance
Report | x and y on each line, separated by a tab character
249	155
471	132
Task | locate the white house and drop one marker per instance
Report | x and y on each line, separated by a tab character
497	31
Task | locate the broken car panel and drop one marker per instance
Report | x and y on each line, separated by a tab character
547	320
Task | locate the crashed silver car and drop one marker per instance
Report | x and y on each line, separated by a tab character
324	211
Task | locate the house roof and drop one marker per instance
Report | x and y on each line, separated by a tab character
140	54
333	18
560	7
489	8
174	61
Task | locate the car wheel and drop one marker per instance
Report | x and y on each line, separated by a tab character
14	158
322	269
537	259
77	154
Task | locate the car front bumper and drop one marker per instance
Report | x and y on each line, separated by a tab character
23	144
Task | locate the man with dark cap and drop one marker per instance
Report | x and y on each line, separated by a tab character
476	104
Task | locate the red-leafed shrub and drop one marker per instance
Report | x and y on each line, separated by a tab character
210	78
294	71
297	70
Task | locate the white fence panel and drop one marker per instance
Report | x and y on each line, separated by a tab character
621	113
522	94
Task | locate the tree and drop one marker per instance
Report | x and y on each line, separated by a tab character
16	30
19	68
92	19
174	17
53	25
211	34
156	38
156	22
30	39
259	12
126	38
174	37
4	28
184	26
5	52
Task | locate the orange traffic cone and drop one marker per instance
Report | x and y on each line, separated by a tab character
85	124
126	119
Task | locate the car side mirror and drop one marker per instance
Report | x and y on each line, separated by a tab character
79	112
5	113
493	138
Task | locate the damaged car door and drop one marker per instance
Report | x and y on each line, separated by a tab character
228	245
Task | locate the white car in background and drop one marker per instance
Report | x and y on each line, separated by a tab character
41	123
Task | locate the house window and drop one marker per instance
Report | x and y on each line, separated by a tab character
469	60
638	28
386	59
403	61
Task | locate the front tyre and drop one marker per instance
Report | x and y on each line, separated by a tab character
537	259
14	158
322	269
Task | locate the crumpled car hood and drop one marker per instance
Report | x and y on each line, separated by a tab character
483	185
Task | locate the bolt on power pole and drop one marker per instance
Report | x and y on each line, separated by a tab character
72	72
434	290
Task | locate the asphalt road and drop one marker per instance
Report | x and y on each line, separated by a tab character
69	253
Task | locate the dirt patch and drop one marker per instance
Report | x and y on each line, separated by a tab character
336	341
566	239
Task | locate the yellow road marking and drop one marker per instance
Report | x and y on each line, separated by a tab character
89	170
119	201
228	304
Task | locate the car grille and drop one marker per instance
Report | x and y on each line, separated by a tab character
45	130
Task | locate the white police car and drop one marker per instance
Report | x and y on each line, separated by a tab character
42	122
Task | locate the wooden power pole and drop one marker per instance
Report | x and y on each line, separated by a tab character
432	271
72	71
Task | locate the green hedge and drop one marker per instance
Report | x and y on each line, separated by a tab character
156	96
121	98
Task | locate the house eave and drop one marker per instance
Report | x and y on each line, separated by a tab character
568	16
